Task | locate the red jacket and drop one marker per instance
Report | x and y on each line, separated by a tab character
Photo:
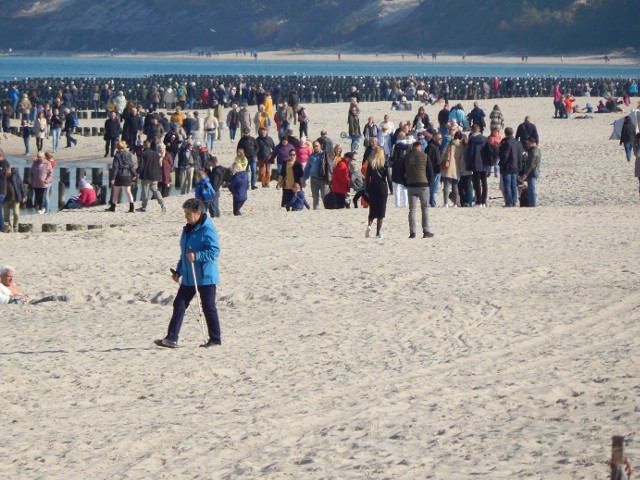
341	177
87	196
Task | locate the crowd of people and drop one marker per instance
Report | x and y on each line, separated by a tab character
147	144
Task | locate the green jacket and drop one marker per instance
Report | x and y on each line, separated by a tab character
532	162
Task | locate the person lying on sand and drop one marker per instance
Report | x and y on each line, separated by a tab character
11	294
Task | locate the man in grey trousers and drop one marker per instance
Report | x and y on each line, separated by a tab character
418	173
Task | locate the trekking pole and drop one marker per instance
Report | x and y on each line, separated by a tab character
195	283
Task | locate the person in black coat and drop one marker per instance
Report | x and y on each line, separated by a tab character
511	162
525	131
435	157
150	173
400	150
250	147
628	136
69	127
112	131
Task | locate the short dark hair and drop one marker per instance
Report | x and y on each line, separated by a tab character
508	132
193	205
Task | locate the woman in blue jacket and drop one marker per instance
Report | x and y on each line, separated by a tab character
198	246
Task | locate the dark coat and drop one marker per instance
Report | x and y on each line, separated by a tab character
149	167
511	155
249	145
112	129
525	131
435	156
239	185
400	150
474	153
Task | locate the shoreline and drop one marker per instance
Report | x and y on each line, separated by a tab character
295	55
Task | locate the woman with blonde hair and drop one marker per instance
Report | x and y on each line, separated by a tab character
123	174
377	190
261	119
210	128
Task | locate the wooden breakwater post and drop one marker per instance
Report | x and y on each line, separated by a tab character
97	180
25	227
620	468
63	184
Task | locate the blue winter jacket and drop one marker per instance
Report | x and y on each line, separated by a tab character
203	239
239	184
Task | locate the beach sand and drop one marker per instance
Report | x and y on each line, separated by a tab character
501	348
296	55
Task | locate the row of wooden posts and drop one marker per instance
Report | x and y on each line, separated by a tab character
53	227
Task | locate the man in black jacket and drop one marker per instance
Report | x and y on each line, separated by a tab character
525	131
418	174
112	130
250	147
511	162
150	173
443	117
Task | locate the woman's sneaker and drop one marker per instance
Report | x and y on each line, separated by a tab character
367	232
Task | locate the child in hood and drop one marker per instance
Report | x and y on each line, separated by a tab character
238	185
205	192
298	201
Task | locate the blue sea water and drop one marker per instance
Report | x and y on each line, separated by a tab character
14	67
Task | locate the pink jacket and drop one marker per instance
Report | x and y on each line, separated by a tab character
41	174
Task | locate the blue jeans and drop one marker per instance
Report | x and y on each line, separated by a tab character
70	139
55	138
532	179
181	303
2	216
433	189
253	167
47	194
210	140
510	189
628	149
213	206
355	143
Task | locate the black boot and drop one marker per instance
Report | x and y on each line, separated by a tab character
112	207
131	208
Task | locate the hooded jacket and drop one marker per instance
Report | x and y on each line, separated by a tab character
239	185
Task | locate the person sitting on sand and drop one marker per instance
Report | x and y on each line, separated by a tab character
11	294
86	198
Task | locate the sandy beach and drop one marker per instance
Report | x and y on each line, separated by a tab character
501	348
295	55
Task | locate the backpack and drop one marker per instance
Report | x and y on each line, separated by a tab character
76	123
207	192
